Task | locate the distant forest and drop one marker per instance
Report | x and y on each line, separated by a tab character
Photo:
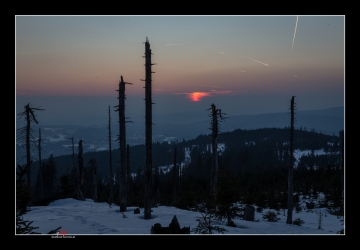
258	161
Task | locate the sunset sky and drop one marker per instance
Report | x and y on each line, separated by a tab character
245	64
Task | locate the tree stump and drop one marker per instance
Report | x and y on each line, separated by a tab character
173	228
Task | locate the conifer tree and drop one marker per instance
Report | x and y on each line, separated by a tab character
23	201
23	193
226	197
50	181
206	221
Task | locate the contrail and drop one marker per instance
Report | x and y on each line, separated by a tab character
257	61
297	18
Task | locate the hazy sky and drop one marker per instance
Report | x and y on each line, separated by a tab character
242	64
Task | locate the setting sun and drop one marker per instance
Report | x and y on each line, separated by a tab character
196	96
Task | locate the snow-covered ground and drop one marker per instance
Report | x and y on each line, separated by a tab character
87	217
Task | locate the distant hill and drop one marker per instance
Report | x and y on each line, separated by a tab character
239	146
327	121
56	139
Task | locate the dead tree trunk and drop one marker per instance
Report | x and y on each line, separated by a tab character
29	115
215	167
122	140
28	157
75	173
176	171
179	182
94	184
215	115
291	166
81	173
342	162
40	175
127	168
148	131
111	179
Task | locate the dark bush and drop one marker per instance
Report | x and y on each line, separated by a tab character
298	222
270	216
259	209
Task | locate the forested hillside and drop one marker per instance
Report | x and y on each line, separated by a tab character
254	161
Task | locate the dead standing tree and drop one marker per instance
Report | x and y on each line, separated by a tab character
127	168
341	135
122	140
81	175
176	178
40	174
75	173
29	115
148	131
111	178
291	166
215	128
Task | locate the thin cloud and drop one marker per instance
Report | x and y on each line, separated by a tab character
222	53
212	86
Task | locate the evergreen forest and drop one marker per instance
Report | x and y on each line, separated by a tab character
253	169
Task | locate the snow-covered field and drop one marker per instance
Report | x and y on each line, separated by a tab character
87	217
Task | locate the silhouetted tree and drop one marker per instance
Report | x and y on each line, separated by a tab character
22	202
148	131
226	197
176	178
341	135
215	116
74	173
92	180
122	140
40	173
291	166
81	174
111	177
50	180
25	134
